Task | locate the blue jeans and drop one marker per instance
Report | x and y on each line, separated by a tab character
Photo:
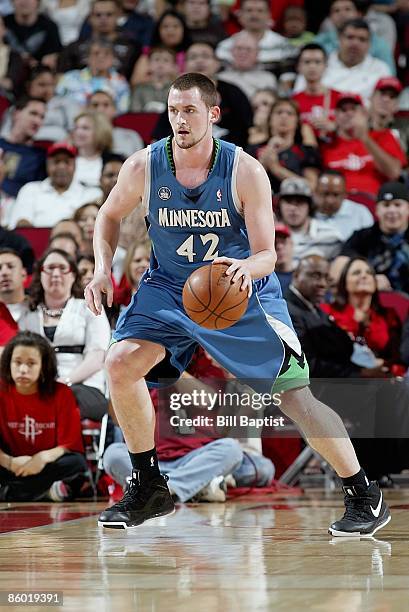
188	474
254	471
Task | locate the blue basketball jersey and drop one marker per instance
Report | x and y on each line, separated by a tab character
191	227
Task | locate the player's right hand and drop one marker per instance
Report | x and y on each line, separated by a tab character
101	283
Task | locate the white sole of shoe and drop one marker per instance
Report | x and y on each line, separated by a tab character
357	534
122	525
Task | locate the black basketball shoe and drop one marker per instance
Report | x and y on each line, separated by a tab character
141	502
365	513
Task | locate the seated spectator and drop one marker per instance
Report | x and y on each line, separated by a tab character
356	309
243	71
316	102
13	69
345	10
92	136
23	161
80	339
86	267
33	35
202	24
386	244
64	242
124	141
236	115
170	32
366	157
68	226
13	276
274	49
291	149
334	208
295	26
44	203
328	348
259	133
68	15
35	467
309	235
85	216
136	262
103	22
352	68
17	244
152	95
285	256
99	73
383	108
131	22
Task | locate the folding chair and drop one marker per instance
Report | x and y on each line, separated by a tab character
94	434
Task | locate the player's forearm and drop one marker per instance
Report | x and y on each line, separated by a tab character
106	235
5	460
262	263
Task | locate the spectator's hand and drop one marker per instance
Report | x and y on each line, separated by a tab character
383	283
18	462
101	283
378	371
323	124
36	465
359	123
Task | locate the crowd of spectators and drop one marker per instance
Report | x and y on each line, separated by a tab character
318	94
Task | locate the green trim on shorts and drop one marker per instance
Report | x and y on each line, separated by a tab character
112	341
294	377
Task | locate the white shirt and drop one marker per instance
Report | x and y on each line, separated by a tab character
272	47
87	171
77	326
126	142
350	218
43	206
360	79
249	81
320	239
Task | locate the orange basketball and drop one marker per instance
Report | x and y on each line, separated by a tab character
211	299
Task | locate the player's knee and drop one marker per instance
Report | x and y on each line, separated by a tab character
296	403
119	364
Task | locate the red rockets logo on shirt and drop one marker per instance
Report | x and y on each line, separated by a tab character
30	428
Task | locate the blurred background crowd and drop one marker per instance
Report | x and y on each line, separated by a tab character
317	92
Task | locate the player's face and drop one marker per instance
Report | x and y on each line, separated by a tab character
190	118
25	368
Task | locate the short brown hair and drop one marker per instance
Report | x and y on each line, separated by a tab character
206	87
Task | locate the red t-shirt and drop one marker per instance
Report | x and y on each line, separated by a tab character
30	424
316	105
8	326
353	159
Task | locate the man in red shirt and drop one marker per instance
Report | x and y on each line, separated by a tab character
367	158
316	102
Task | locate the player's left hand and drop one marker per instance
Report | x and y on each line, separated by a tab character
238	269
36	465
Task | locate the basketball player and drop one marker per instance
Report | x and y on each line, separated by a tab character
207	201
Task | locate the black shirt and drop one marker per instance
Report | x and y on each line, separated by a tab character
39	39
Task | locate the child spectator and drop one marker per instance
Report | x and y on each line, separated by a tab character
34	466
151	96
295	26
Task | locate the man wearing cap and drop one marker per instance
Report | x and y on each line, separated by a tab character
352	68
309	235
44	203
384	106
333	207
386	243
285	255
366	157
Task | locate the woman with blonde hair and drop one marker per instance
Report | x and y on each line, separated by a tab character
136	262
92	135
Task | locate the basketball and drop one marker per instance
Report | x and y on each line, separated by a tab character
211	299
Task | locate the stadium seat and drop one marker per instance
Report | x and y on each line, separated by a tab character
397	300
94	435
143	123
37	236
4	104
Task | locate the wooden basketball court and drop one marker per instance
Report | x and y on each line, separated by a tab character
254	553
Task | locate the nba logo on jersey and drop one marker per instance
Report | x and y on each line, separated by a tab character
164	193
219	195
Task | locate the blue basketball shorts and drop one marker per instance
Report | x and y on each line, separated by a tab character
261	347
